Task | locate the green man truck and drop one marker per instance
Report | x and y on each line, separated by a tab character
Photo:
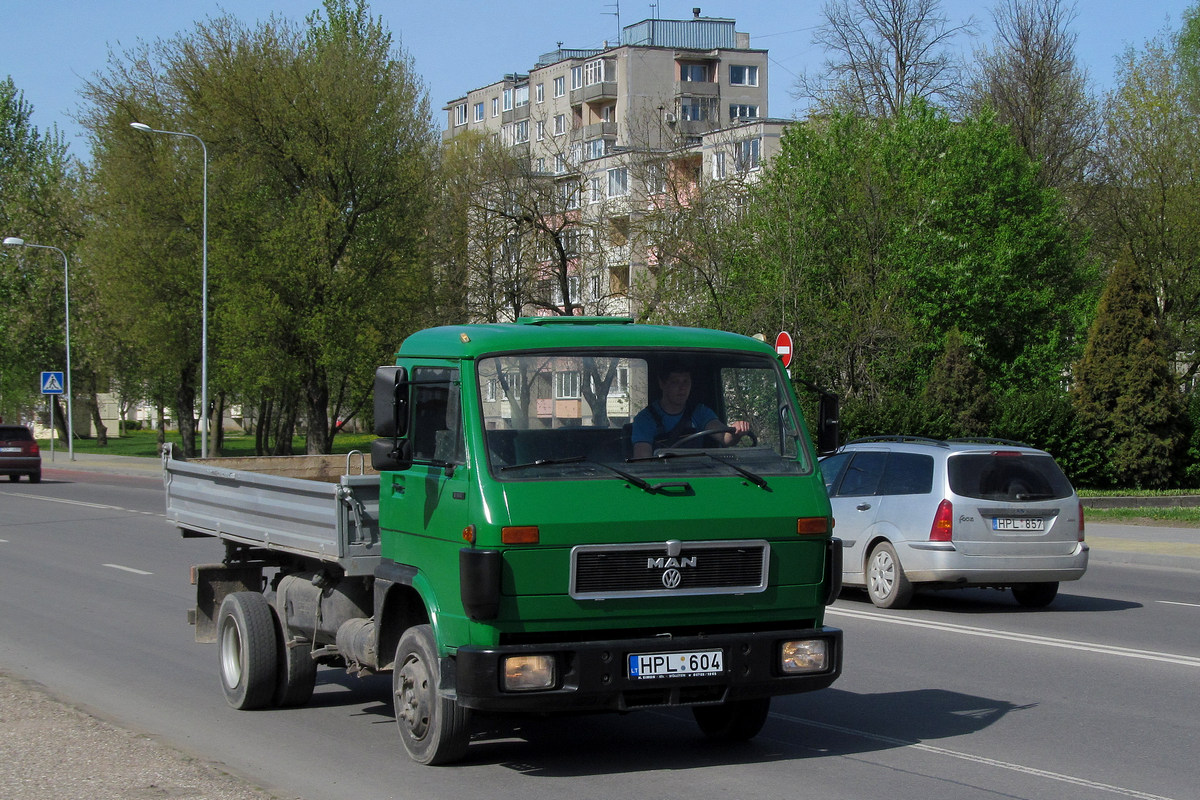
502	549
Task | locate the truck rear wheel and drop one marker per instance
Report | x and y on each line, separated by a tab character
736	721
434	729
296	672
246	641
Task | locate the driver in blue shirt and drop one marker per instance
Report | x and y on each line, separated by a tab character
674	416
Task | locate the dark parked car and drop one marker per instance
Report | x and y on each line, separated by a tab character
19	454
945	514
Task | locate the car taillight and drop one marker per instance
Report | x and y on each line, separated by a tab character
943	523
1081	520
33	448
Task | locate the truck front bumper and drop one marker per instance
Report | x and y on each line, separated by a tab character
595	675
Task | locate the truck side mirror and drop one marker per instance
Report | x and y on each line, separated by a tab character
827	423
389	452
391	401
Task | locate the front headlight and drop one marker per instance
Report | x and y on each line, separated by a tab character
528	673
804	655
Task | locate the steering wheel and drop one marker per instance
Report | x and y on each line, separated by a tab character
682	440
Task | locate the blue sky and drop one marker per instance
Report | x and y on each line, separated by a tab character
51	47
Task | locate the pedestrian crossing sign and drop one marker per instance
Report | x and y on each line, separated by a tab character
52	383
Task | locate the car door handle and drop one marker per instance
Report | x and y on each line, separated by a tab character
862	507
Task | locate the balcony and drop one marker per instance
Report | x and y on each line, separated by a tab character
597	91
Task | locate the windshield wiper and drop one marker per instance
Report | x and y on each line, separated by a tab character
755	478
644	485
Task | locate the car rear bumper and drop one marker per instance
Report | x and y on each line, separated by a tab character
950	566
20	465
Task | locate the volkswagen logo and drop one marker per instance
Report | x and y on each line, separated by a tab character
672	578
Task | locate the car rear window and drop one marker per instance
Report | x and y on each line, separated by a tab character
15	433
1009	477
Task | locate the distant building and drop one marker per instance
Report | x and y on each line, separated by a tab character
679	101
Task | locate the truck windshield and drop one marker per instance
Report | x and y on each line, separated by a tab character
575	415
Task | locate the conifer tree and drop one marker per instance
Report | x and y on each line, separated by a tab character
958	401
1125	389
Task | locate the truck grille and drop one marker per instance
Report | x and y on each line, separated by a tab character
665	568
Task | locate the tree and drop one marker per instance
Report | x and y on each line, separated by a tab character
38	183
1149	208
1126	395
958	400
872	238
883	54
321	150
1032	80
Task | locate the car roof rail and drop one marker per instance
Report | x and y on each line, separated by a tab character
990	440
899	437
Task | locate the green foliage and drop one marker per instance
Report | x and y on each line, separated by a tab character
1125	391
320	150
958	401
873	238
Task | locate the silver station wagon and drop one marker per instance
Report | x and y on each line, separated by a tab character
950	514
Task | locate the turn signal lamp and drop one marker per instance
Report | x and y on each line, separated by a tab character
519	534
808	526
943	523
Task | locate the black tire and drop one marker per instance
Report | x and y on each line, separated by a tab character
736	721
247	650
295	669
14	478
1035	595
433	728
34	478
887	585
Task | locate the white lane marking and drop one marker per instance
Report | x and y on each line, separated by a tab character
991	762
129	569
86	505
1176	603
1027	638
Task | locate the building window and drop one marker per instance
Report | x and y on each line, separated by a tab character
569	193
479	111
618	182
560	86
560	164
522	95
748	153
693	73
737	111
539	93
576	78
495	106
560	124
656	179
718	165
595	148
460	114
566	384
540	165
541	130
696	109
596	193
521	132
740	75
508	99
593	72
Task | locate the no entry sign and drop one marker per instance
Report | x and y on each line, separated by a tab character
783	346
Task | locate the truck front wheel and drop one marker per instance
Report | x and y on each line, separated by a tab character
736	721
434	729
246	638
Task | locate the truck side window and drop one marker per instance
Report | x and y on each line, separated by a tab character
437	433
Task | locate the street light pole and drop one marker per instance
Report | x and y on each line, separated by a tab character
13	240
204	286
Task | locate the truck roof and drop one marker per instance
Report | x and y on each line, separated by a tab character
534	333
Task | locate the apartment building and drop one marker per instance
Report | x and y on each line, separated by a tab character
682	102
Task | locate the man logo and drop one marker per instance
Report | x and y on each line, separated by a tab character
672	578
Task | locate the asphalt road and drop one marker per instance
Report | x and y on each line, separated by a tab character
963	696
